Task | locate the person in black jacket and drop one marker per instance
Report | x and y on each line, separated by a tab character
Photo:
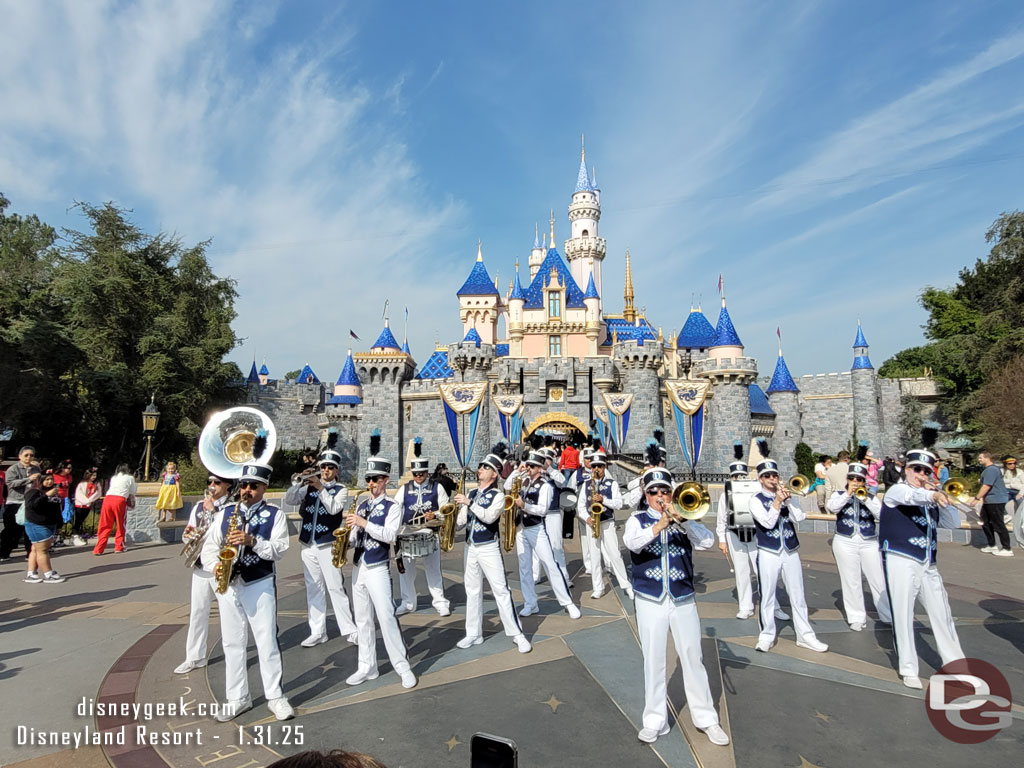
890	472
43	508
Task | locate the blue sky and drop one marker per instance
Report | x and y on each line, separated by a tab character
830	159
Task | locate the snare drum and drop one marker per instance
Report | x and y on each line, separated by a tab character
567	500
418	543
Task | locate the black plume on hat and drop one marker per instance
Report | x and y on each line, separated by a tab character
596	443
929	434
375	442
332	438
737	450
259	445
659	435
862	451
500	449
536	441
417	446
763	447
652	453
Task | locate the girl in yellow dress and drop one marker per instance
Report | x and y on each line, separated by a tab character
169	500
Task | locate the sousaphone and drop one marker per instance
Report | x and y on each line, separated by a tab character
226	442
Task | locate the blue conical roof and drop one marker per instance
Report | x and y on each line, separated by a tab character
517	289
306	375
253	377
478	283
264	371
782	381
862	362
591	292
473	336
405	347
860	341
386	340
535	293
697	332
348	373
725	332
583	178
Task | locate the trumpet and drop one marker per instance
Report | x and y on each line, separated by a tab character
861	493
690	501
306	475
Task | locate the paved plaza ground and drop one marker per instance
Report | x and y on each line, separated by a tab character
116	629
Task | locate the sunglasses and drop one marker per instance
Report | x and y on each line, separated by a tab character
855	478
216	481
922	470
770	475
419	474
660	492
245	485
373	479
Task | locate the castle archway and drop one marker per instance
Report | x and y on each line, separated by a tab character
556	423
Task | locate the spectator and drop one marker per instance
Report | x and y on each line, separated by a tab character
835	476
890	472
169	500
874	466
819	482
18	478
1013	478
119	499
441	477
569	461
87	493
336	758
993	497
62	481
942	471
42	516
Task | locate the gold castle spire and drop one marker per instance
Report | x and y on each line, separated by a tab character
629	311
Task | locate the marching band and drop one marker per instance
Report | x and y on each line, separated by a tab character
232	542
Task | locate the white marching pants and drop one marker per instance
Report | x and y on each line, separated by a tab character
241	607
534	539
435	582
856	555
906	581
371	594
769	566
606	551
585	545
203	594
553	524
322	579
484	561
744	563
653	622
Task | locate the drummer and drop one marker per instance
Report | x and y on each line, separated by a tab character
418	540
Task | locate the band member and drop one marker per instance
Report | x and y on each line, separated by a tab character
375	524
775	516
480	511
553	520
855	547
576	481
200	521
322	502
912	513
260	534
605	549
420	499
662	560
535	504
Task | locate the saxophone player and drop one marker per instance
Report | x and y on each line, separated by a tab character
480	512
200	519
661	553
603	490
322	501
261	536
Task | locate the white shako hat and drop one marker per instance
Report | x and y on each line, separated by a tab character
656	476
255	470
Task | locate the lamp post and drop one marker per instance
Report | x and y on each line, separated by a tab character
461	363
686	361
150	418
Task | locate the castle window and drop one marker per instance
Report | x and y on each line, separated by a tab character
554	304
586	233
554	346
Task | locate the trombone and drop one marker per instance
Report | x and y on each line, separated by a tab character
690	501
957	492
797	485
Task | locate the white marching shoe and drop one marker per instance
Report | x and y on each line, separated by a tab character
573	611
744	614
409	679
716	735
812	643
912	681
780	614
522	643
764	645
231	709
403	609
312	640
281	708
524	611
361	676
467	641
352	638
858	626
597	594
187	666
629	593
649	735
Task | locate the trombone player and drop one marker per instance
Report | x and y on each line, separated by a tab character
775	518
855	547
602	492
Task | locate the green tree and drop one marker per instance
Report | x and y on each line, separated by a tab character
803	455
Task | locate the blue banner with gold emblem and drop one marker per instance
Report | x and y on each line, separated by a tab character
688	409
510	417
462	403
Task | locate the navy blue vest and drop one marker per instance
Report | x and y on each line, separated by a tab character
606	492
910	530
530	496
783	534
317	525
369	551
665	566
582	474
477	531
415	505
854	518
257	521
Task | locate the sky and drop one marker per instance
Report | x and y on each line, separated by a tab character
830	160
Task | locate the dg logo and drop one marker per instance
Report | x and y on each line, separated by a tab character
968	701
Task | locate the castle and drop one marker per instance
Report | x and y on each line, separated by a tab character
562	353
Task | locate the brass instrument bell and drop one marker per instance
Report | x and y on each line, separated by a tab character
797	485
691	500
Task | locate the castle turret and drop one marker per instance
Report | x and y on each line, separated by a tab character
584	250
479	301
348	390
866	417
592	301
638	360
693	342
264	373
537	254
253	377
516	300
783	395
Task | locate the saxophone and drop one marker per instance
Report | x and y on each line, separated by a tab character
339	549
596	508
450	513
227	557
508	516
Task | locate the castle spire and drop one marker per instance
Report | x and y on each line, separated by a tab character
536	235
552	228
782	380
479	250
629	311
582	179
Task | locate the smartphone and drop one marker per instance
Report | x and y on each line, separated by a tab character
486	751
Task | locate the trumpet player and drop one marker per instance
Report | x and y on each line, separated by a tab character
602	490
200	519
375	522
535	502
912	513
661	552
775	517
322	501
855	547
250	601
480	512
